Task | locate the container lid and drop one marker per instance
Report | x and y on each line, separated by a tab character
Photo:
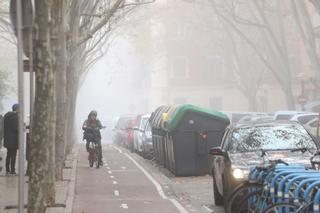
175	116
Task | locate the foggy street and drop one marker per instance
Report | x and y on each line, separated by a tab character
128	183
159	106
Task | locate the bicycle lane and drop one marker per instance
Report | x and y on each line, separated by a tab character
121	185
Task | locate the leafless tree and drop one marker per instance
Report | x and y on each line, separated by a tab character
6	32
251	18
306	29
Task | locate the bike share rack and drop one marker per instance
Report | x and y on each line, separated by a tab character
290	183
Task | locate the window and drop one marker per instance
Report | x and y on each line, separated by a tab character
214	68
215	103
179	67
314	123
305	118
283	136
179	31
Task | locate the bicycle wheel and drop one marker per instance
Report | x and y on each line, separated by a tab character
90	158
255	201
233	201
96	158
282	207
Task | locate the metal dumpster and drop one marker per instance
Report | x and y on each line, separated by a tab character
158	134
191	131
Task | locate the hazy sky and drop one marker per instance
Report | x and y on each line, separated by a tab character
107	87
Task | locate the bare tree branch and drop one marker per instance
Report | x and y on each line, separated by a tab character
101	23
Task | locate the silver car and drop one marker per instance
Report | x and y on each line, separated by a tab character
139	131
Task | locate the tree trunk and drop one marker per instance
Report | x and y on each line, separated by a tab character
60	55
289	98
39	152
73	70
252	99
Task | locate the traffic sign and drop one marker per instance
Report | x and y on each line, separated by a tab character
302	99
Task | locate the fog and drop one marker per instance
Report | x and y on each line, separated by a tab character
108	87
214	54
195	52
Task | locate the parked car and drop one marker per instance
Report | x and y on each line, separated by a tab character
120	130
139	131
253	143
235	116
147	146
261	117
130	132
304	118
239	116
286	115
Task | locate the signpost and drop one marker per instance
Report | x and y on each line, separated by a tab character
21	16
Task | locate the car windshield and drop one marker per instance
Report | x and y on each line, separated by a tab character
270	138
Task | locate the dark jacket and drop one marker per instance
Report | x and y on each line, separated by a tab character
10	136
1	130
92	130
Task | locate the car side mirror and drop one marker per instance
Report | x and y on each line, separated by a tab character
216	151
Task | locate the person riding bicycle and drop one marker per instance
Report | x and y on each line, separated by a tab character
91	127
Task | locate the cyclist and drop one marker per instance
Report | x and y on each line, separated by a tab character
91	127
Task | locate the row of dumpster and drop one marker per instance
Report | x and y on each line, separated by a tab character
182	136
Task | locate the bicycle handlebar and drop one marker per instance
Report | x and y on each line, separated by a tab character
273	164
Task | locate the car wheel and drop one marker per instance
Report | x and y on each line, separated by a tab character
218	199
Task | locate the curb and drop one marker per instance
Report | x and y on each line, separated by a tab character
72	183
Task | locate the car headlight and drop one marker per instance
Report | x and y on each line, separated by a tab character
240	173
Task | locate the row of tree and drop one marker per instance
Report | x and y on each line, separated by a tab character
69	36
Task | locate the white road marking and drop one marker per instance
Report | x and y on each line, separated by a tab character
207	208
116	193
108	167
114	182
123	167
111	176
120	151
125	170
124	206
158	187
110	172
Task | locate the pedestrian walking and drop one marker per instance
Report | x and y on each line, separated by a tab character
11	141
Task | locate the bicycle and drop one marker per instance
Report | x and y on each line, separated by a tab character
253	194
259	192
94	155
310	200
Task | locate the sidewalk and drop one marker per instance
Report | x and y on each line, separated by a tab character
64	189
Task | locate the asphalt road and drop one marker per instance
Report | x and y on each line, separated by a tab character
121	185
